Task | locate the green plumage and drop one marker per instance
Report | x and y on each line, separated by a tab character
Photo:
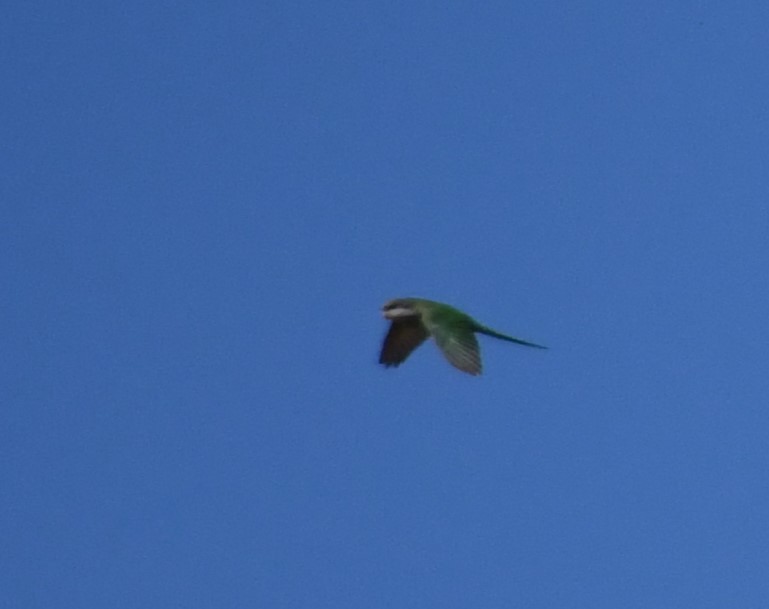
415	319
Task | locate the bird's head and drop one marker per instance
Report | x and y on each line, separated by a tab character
399	308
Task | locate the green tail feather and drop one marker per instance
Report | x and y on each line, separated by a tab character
490	332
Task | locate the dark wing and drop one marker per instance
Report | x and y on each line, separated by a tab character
403	337
460	347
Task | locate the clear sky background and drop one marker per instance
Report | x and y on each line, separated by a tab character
203	207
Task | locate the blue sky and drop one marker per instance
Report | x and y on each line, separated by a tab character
203	209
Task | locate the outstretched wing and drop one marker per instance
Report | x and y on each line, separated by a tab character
460	347
403	337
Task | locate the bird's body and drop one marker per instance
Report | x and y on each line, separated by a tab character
416	319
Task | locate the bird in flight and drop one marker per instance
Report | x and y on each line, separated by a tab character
415	319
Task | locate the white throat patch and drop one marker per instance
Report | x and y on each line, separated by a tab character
398	312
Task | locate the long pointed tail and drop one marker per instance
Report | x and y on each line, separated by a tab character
512	339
